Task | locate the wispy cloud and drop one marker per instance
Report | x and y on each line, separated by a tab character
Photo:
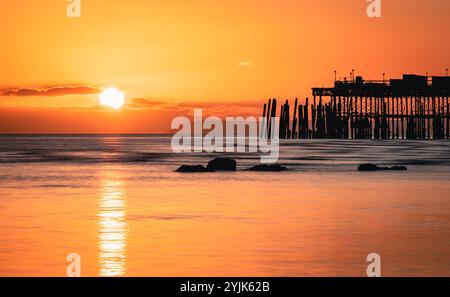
144	103
245	63
51	91
212	107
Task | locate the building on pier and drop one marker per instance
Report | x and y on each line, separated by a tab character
414	107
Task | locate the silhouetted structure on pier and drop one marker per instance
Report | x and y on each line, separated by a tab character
415	107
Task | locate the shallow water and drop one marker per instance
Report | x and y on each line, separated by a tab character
116	201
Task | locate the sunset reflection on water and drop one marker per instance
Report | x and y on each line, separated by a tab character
321	218
112	229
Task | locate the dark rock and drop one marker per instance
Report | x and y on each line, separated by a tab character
398	168
271	168
373	167
222	164
368	167
192	169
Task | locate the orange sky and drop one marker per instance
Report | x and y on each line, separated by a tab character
171	56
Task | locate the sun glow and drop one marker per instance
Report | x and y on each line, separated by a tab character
112	97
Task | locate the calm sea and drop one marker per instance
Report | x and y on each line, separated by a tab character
116	201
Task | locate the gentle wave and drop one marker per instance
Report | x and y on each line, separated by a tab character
156	150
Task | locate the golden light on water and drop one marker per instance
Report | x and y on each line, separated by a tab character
112	228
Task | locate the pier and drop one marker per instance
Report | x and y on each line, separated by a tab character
413	107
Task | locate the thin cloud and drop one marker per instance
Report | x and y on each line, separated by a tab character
145	103
219	108
245	63
51	92
220	103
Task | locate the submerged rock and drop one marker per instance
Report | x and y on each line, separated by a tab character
192	169
373	167
222	164
268	168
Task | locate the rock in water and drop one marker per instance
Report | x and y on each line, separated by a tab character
222	164
373	167
192	169
268	168
398	168
368	167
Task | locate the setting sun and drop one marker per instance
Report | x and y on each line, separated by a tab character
112	97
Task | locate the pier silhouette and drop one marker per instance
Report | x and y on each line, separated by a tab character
414	107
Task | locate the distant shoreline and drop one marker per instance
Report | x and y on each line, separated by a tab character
83	135
37	135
